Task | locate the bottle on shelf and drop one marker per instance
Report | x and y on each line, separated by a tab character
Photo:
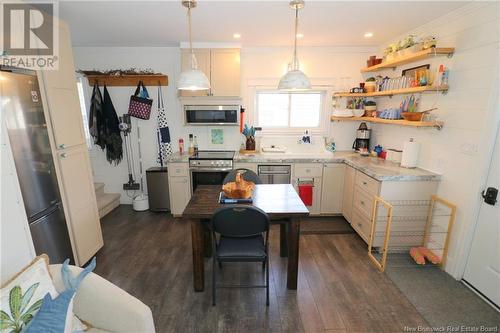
191	145
195	144
181	146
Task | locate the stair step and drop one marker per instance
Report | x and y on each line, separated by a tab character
99	188
106	202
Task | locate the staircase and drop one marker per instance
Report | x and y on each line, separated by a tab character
106	202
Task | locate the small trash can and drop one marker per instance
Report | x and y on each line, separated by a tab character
157	180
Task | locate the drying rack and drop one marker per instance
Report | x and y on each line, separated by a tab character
398	225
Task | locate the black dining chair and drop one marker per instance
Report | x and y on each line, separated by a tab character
246	174
243	237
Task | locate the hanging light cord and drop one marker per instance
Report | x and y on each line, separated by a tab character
295	62
194	64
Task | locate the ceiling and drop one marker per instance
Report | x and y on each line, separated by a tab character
260	23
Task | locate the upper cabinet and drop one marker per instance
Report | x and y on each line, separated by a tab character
221	66
62	96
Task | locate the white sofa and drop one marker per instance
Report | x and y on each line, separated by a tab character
105	306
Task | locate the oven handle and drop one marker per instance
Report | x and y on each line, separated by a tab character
210	170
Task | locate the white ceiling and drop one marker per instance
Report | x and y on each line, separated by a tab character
260	23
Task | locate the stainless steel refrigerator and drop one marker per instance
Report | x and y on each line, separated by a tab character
22	110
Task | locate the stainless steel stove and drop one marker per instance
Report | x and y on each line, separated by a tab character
210	167
212	159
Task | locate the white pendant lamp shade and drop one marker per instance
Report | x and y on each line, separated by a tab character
192	79
295	79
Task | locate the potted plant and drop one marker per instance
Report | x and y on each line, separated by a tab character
370	85
370	108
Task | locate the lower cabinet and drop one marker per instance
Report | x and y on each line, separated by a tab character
308	172
348	192
332	188
79	202
179	187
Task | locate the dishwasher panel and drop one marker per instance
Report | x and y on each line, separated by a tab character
274	174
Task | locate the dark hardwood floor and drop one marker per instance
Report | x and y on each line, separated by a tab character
149	255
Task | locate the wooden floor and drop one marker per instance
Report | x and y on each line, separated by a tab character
149	255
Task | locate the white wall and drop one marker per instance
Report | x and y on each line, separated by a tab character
16	246
325	66
459	150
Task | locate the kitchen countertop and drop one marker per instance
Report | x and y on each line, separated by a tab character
374	167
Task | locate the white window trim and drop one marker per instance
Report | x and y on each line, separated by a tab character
254	86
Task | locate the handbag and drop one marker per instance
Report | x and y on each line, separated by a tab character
140	103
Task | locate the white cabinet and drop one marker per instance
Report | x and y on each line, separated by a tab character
179	187
350	174
244	165
309	172
332	188
62	96
74	173
79	202
225	72
221	66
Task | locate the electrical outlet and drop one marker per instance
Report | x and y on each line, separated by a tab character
469	148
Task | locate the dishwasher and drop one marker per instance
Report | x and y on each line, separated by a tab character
274	174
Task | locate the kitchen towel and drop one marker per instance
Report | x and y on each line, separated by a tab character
410	154
306	193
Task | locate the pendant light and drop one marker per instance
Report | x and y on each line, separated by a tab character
192	79
295	79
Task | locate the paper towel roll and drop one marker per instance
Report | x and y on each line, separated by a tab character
410	154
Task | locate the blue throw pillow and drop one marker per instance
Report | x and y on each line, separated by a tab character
51	318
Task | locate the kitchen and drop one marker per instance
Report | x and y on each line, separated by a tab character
450	149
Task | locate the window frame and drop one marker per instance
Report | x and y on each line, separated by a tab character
322	128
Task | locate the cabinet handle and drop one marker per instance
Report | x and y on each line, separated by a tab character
62	146
362	202
64	155
364	183
359	225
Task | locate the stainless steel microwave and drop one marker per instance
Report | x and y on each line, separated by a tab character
212	114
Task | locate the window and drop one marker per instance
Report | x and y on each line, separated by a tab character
289	110
81	87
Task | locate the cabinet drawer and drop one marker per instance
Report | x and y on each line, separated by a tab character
178	170
362	225
308	170
367	183
363	202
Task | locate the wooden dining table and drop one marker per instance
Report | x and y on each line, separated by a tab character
281	203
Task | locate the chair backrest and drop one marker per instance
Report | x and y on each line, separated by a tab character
246	174
240	221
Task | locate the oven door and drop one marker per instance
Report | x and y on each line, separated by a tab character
212	114
207	177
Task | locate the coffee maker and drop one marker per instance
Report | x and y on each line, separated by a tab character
362	138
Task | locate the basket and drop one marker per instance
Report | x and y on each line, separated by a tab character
412	116
240	189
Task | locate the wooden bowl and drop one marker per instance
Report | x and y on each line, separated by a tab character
412	116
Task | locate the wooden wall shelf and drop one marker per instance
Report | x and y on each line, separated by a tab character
128	80
435	51
414	90
401	122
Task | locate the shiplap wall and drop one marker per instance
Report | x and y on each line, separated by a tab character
460	150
